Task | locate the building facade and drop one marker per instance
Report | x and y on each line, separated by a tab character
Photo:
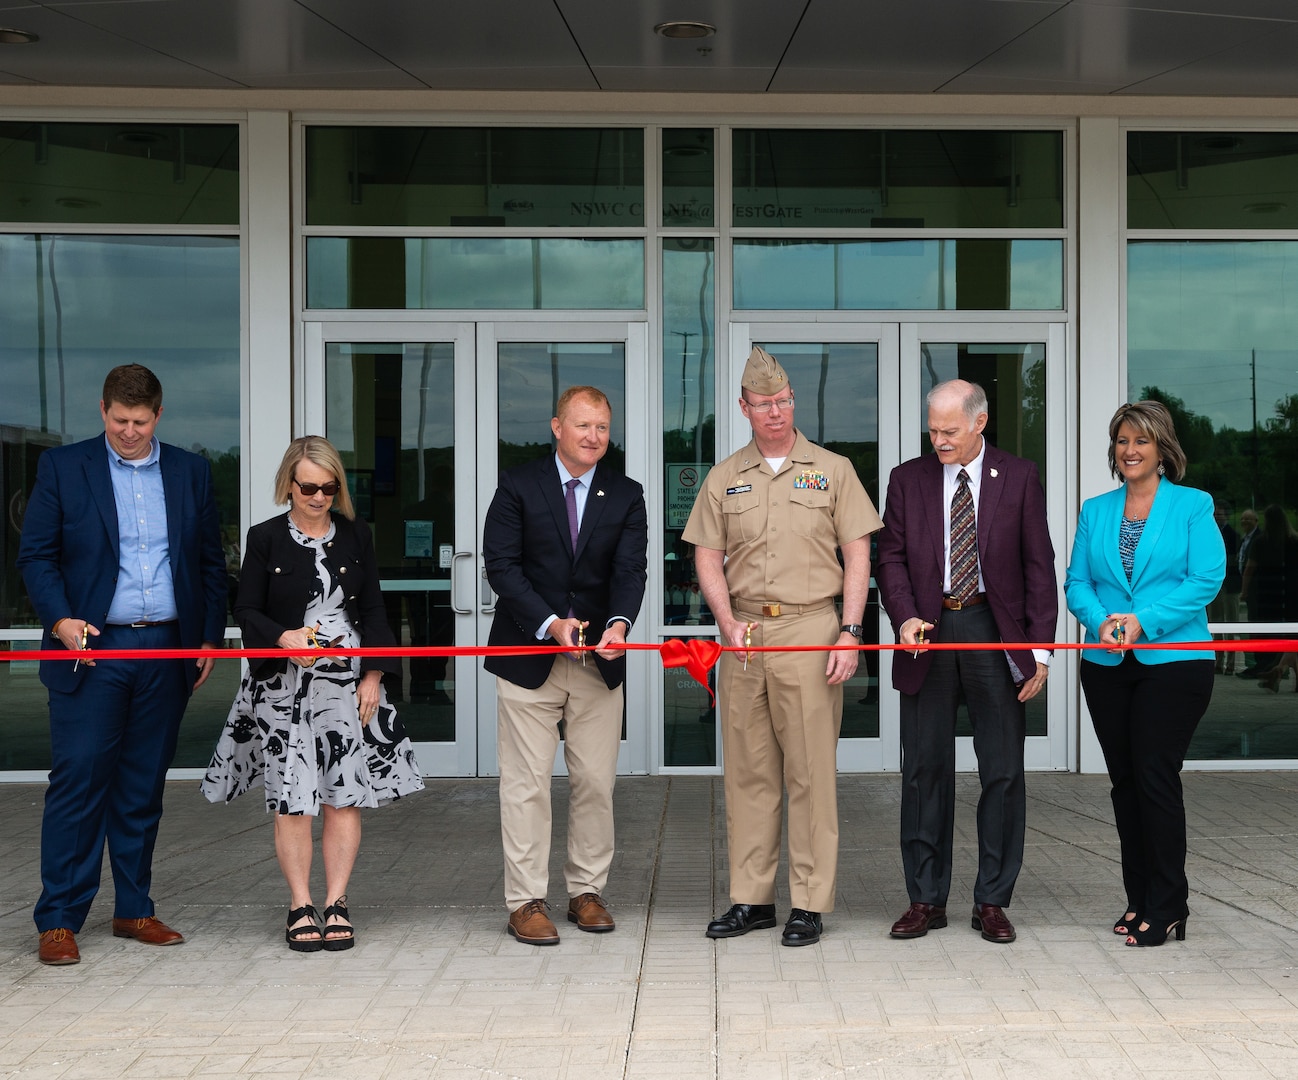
419	285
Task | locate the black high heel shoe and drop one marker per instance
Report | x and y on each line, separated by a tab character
1124	924
1156	935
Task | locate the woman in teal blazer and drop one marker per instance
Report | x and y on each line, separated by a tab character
1147	559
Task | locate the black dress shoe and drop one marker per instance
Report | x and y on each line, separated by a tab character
741	918
803	928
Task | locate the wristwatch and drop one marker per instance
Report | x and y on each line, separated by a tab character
855	629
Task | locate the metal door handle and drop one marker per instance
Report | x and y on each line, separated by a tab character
488	598
454	606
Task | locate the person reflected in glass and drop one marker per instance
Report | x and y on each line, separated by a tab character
1147	559
1271	579
317	730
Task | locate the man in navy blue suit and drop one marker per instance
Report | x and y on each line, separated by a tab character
565	550
121	549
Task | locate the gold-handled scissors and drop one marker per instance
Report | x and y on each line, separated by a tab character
581	641
1119	631
919	640
317	642
85	638
748	642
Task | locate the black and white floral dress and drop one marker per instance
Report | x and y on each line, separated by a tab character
299	731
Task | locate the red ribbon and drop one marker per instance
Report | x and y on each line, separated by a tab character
698	655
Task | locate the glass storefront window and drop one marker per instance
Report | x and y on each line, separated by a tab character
120	173
475	176
71	308
969	179
689	195
899	275
1211	328
1212	179
474	273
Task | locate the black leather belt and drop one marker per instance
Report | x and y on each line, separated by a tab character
951	603
138	625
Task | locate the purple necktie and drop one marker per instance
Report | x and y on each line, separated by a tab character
570	501
964	542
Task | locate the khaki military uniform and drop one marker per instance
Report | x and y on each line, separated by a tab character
780	720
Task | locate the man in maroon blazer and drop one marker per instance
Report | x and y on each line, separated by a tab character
965	555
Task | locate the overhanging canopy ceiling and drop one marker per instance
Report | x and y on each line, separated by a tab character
1124	47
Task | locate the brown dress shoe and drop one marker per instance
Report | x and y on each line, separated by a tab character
59	947
918	921
590	913
532	926
992	922
151	931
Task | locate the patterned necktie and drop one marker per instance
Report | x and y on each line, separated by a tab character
570	501
964	542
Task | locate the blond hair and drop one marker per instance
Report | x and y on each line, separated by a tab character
319	451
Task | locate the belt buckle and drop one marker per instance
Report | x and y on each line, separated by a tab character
953	603
771	611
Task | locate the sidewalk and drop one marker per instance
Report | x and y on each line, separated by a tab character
435	988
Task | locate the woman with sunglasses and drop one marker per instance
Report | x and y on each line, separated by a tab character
316	729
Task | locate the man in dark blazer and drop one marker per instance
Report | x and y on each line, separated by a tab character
992	580
565	545
121	549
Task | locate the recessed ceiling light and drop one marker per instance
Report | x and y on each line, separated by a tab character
685	28
10	36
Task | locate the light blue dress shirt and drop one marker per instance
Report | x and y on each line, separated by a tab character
145	591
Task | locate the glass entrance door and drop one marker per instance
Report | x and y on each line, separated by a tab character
522	370
424	415
1021	366
845	380
861	390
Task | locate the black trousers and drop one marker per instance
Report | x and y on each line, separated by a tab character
928	766
1144	717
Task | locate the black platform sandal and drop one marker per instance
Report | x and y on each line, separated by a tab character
338	910
306	938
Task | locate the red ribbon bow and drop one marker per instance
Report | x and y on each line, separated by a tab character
695	655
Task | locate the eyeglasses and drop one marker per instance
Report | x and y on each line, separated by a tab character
765	406
330	489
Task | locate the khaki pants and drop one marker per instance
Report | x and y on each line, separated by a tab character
779	730
527	725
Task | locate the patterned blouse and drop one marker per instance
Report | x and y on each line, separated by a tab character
1128	538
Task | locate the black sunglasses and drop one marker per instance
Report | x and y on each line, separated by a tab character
330	489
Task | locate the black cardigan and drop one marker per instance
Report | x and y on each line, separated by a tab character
279	576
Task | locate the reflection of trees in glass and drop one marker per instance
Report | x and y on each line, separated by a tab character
1246	468
512	454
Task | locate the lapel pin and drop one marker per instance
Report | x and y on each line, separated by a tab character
993	472
600	493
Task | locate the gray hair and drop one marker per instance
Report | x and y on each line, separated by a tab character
973	398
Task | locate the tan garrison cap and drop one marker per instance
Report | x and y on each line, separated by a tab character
763	374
